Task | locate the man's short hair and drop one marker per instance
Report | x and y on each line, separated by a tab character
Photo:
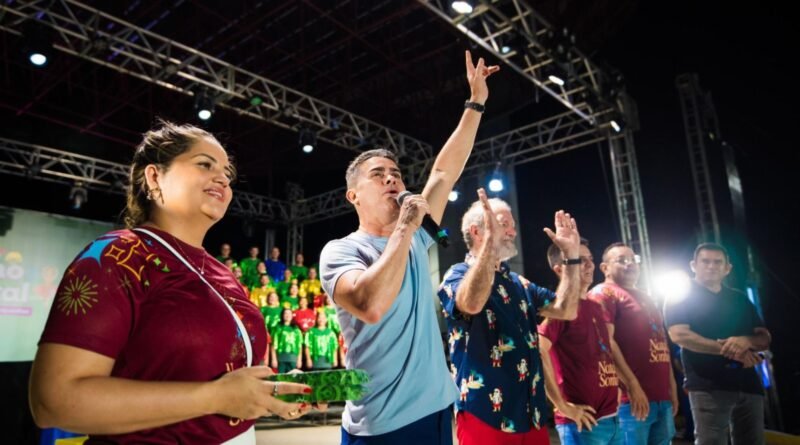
613	246
352	169
474	216
555	256
712	246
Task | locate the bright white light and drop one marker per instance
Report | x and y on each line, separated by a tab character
673	285
38	59
496	185
556	80
453	197
308	148
204	114
505	49
615	126
461	7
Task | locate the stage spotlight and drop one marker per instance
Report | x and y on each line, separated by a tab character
556	73
204	104
617	122
38	59
496	185
674	285
37	43
78	195
453	197
308	140
462	7
556	80
511	41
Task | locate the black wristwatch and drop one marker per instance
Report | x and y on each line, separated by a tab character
571	261
475	106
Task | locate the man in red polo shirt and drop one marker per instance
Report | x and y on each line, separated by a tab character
641	352
578	353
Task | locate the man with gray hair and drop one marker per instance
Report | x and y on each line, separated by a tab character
379	279
491	318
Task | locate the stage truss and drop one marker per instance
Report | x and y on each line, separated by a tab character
591	96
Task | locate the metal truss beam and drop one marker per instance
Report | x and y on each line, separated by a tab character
29	160
49	164
92	35
630	204
294	241
548	137
700	122
108	41
535	50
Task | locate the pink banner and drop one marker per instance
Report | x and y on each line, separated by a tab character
16	310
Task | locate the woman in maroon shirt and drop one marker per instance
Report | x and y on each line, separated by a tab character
150	339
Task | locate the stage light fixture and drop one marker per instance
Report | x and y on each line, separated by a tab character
617	122
504	42
308	140
37	43
556	80
462	7
38	59
204	104
556	73
674	285
78	195
511	41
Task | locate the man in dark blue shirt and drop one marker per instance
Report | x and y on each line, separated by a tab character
720	334
491	316
275	266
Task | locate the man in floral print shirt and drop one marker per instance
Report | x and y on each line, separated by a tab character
491	316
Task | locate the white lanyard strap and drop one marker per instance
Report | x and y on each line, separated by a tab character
245	338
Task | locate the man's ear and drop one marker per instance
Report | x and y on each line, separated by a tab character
474	232
728	268
693	265
351	197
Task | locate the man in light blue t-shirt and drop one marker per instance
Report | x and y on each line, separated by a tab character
379	279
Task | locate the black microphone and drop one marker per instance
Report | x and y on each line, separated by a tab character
430	226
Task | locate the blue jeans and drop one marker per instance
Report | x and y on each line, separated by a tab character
433	429
657	429
606	432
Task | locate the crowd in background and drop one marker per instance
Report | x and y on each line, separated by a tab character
302	329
